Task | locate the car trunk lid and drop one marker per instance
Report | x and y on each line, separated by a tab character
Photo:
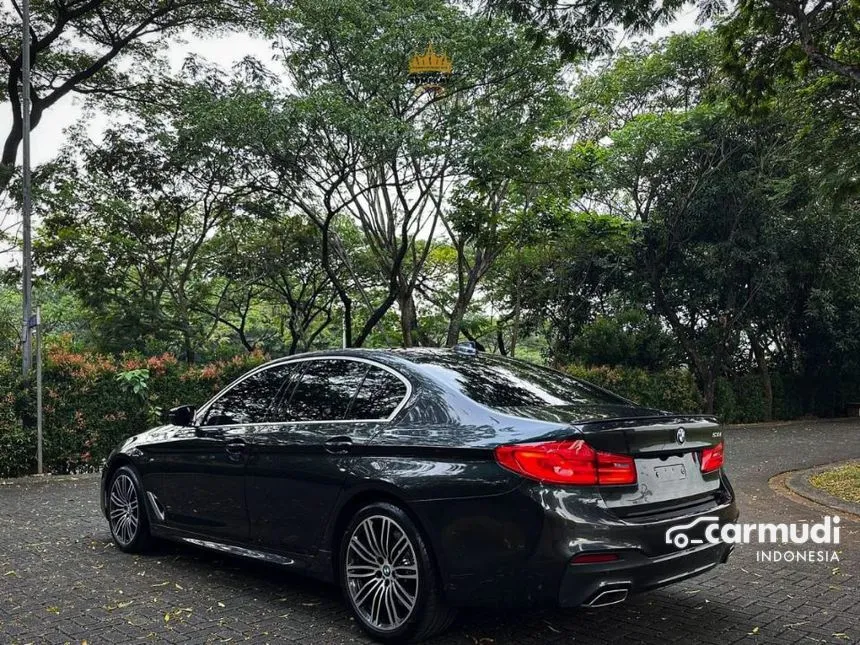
667	451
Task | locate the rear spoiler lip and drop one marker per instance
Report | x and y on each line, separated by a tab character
622	422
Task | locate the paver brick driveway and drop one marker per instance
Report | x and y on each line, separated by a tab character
61	579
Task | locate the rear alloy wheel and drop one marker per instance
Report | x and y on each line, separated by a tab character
388	576
129	525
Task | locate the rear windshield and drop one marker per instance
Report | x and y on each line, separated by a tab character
504	383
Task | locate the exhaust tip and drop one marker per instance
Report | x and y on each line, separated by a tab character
607	597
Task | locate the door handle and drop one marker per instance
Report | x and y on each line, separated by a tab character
338	445
236	449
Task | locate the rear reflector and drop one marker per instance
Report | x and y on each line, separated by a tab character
712	458
594	558
567	462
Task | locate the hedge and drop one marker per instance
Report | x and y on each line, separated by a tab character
91	402
673	390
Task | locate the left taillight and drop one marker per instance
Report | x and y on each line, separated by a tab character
573	463
712	458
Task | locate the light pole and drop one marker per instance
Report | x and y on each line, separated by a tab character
26	338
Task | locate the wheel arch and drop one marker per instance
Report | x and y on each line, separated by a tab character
377	492
115	463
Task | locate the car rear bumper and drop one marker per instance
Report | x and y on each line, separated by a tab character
587	584
519	549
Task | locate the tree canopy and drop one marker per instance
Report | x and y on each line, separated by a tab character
686	206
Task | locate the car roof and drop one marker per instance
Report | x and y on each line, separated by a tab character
387	356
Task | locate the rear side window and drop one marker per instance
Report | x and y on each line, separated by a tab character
324	391
379	395
251	400
504	383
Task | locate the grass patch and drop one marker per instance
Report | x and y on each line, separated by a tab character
843	482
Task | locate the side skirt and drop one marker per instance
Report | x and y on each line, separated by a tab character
315	567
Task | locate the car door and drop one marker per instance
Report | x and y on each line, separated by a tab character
297	468
203	469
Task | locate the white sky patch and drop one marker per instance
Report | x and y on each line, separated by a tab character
49	137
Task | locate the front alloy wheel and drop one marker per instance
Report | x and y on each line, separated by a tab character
388	576
129	526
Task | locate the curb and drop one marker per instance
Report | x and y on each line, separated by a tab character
47	478
798	482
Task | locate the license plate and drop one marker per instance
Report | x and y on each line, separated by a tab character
670	473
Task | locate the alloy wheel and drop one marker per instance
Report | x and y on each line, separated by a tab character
124	509
382	572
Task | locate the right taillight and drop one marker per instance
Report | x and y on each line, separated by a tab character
712	458
573	463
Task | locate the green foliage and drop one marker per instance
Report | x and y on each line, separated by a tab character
135	381
767	42
589	27
673	233
92	402
630	338
673	389
107	49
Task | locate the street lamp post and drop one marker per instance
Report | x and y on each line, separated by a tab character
26	338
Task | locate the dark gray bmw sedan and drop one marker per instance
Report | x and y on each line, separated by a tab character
422	481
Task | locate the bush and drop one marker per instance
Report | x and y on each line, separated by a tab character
88	410
673	390
725	402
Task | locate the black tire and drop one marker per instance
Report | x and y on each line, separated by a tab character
428	614
126	511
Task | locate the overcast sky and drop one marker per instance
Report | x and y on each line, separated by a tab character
48	138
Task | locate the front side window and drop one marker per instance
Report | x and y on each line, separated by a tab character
324	391
251	400
379	395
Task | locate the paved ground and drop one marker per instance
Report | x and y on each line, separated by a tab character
61	580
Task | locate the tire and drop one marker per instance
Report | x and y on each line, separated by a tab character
388	577
126	511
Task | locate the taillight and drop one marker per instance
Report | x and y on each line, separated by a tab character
567	462
712	458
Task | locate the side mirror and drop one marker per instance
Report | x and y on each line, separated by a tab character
181	416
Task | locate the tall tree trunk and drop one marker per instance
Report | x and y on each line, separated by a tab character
188	346
764	373
709	387
455	323
408	318
500	340
515	327
464	299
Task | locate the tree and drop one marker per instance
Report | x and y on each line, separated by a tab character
712	190
551	280
773	35
275	263
588	27
132	230
358	141
767	40
84	46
